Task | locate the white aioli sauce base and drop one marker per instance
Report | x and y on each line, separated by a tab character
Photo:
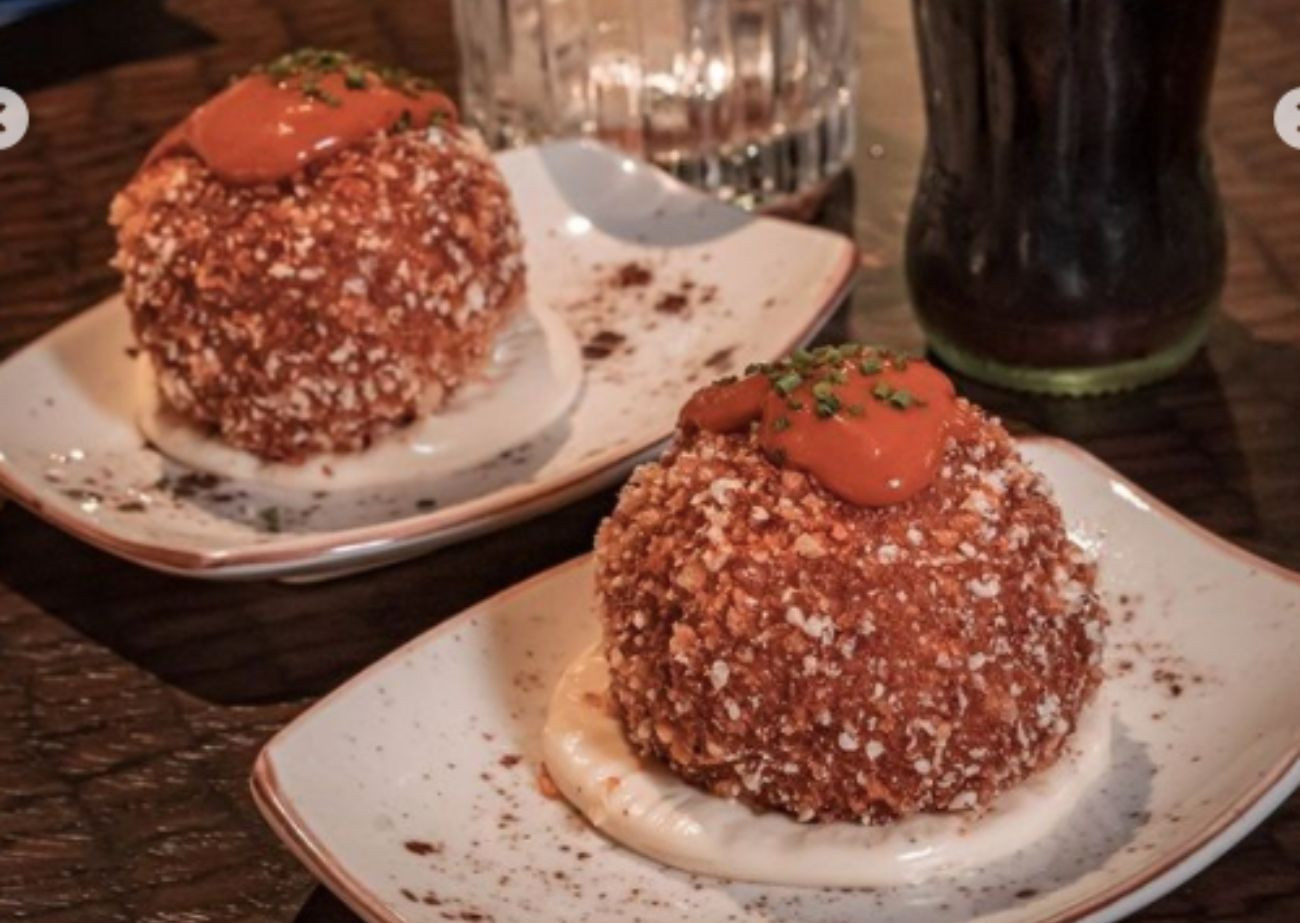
647	809
530	380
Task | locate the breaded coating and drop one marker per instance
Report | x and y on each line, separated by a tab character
319	313
773	643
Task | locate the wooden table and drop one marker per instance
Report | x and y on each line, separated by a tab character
131	704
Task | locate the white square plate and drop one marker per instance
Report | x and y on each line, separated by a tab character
737	285
412	790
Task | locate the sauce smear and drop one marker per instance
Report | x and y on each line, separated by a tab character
868	425
261	130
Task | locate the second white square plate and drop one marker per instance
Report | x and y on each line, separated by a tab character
663	288
412	791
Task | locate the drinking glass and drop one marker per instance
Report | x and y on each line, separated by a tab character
1066	236
751	100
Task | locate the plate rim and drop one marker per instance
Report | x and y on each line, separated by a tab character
513	502
279	812
1211	842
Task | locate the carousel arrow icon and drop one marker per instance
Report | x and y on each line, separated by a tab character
1286	118
13	118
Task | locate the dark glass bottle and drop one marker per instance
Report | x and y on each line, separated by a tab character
1066	235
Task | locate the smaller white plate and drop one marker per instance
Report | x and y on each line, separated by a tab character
412	790
719	288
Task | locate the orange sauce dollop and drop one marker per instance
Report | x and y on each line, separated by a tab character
868	425
259	130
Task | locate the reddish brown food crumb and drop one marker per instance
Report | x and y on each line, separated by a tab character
1172	681
510	759
772	643
603	344
190	483
720	360
633	275
422	848
672	303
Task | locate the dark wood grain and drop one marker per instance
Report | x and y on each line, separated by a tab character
131	704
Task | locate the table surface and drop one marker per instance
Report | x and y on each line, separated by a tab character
132	703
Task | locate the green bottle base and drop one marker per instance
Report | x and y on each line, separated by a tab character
1081	381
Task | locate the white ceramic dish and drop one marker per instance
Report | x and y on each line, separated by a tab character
725	285
412	790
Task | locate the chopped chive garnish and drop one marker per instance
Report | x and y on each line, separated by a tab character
788	382
823	369
308	65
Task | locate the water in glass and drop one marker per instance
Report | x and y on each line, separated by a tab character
749	99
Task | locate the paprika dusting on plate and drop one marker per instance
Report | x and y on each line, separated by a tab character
298	109
869	424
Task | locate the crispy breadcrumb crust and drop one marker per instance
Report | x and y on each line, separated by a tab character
317	314
772	643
